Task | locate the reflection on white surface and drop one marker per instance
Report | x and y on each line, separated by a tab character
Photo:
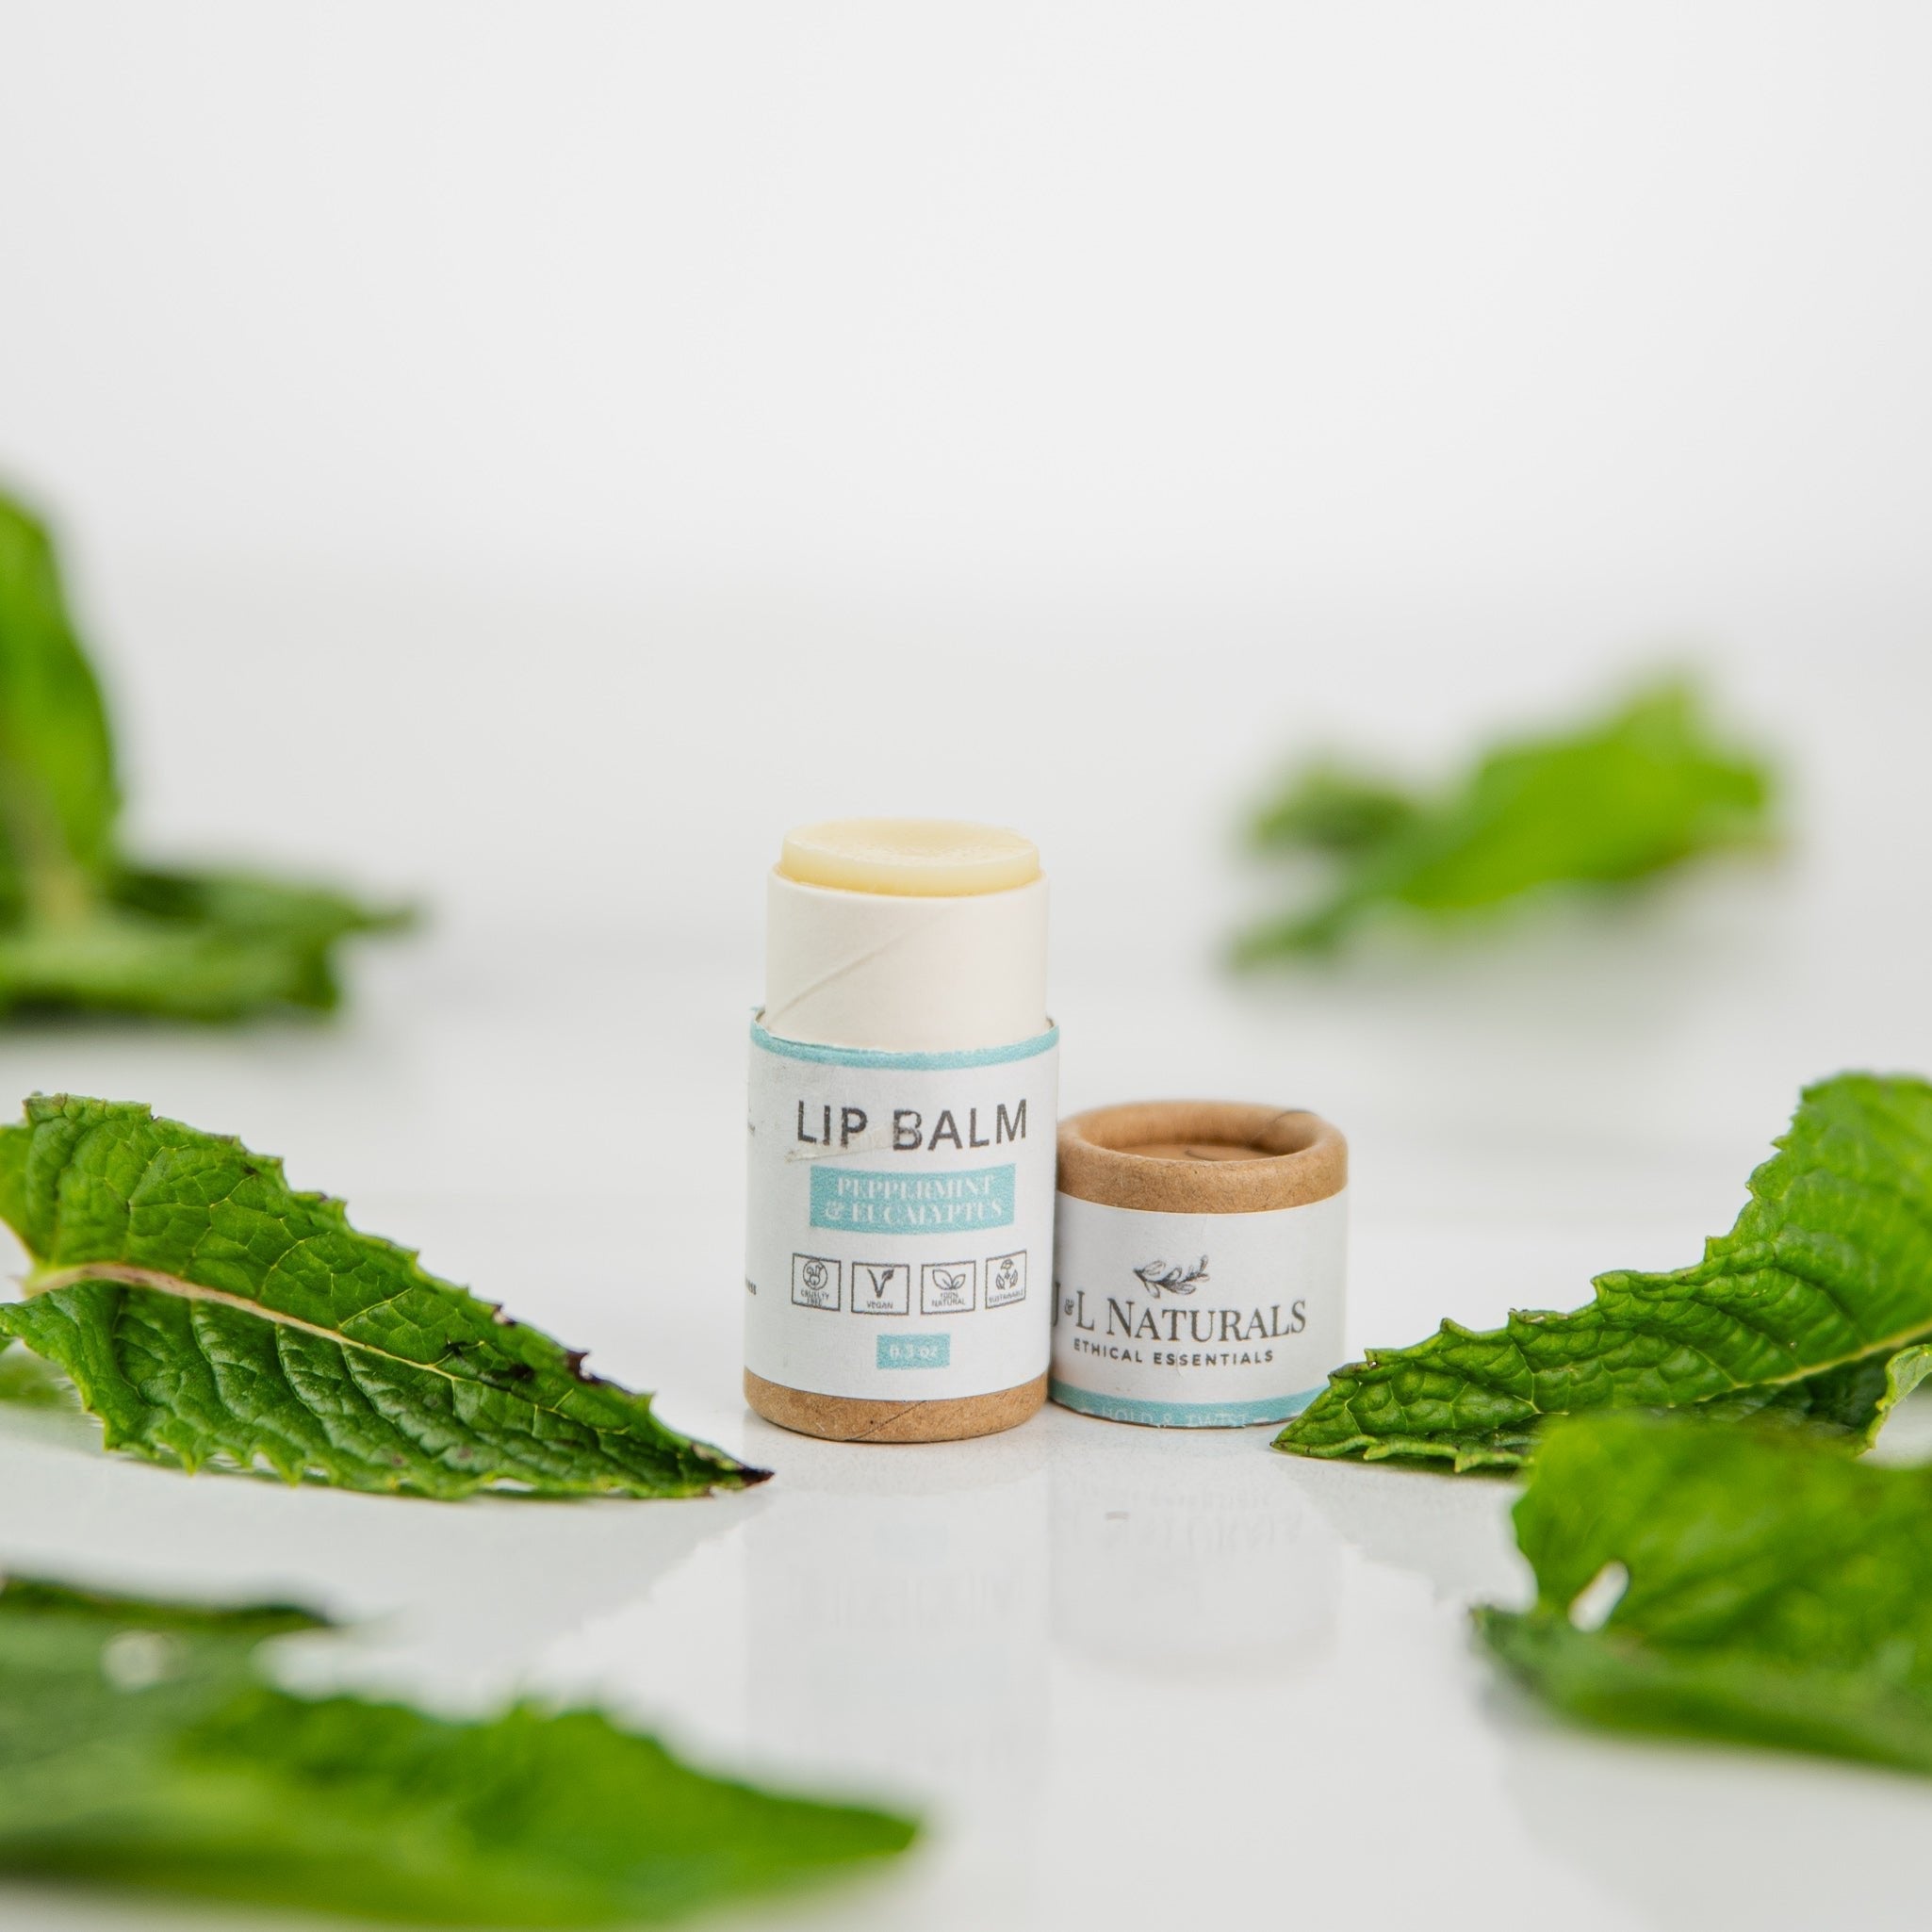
1453	1530
450	1604
1178	1553
897	1639
1687	1837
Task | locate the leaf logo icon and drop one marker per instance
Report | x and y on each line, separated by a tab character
878	1281
1157	1275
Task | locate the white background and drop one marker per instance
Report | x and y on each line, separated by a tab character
523	457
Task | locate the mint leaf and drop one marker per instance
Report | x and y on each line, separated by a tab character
188	946
1771	1592
141	1747
1638	793
1827	1275
1847	1405
1328	808
209	1314
57	794
81	928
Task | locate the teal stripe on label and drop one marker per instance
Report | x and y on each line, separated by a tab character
908	1063
868	1200
915	1351
1181	1415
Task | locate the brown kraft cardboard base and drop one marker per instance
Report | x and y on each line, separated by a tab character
853	1419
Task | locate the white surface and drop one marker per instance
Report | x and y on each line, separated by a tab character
488	432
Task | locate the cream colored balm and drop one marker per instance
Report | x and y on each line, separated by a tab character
903	1103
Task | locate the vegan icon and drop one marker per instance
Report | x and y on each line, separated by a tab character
1157	1275
882	1288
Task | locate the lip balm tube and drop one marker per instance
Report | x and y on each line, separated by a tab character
903	1099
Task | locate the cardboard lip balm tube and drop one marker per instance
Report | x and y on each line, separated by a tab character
1199	1257
901	1147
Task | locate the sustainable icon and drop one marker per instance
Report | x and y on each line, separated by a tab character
1006	1278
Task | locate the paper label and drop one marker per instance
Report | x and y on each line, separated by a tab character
900	1219
1196	1320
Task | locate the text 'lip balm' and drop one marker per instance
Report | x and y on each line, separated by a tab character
904	1077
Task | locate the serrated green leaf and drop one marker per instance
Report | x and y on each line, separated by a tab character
1826	1273
140	1746
210	1313
81	929
1846	1406
1771	1592
57	794
1621	799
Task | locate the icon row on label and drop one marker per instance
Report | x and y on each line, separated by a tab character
885	1287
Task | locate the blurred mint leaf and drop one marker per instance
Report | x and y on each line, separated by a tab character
142	1747
209	1312
208	947
1805	1310
1328	808
57	794
1631	796
1727	1583
81	928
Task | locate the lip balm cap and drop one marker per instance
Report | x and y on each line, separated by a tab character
1216	1232
1202	1156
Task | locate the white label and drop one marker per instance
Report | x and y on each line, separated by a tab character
901	1217
1196	1320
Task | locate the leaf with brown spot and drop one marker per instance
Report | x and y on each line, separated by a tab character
212	1314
